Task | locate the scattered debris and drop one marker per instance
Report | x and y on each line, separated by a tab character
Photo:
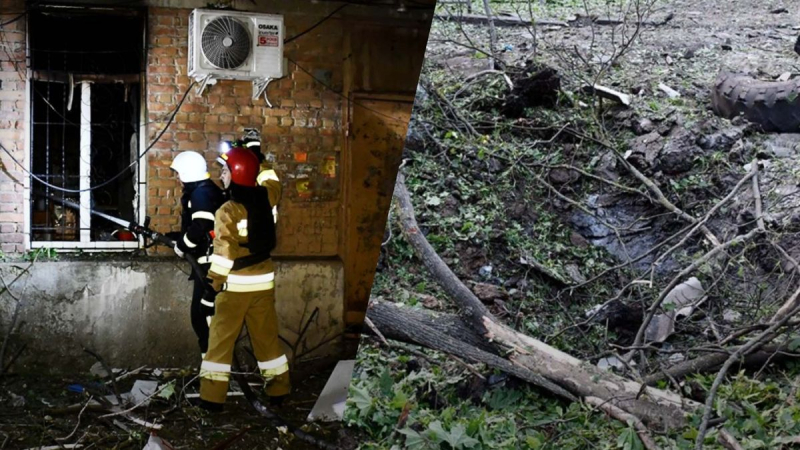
197	394
99	371
612	362
609	93
141	392
157	443
731	316
17	401
488	293
681	301
574	272
671	93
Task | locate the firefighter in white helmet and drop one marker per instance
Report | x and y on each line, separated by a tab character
200	200
244	276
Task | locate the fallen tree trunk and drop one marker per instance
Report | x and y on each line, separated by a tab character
396	323
472	308
658	409
449	324
500	20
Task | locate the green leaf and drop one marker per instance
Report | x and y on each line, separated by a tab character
436	432
168	390
629	440
385	383
533	442
458	438
794	344
399	401
361	398
416	441
502	398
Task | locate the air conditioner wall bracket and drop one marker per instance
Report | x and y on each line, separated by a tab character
260	87
205	81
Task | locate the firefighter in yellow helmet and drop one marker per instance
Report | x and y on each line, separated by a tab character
243	275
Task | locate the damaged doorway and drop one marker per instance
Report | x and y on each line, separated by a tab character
85	112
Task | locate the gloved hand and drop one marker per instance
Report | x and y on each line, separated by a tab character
215	283
174	235
178	251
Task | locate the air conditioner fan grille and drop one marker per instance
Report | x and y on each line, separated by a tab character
226	42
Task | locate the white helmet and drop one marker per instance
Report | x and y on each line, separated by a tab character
191	167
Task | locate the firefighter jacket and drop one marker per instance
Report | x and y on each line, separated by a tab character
232	241
200	201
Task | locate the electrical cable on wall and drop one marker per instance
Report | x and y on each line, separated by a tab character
183	99
316	24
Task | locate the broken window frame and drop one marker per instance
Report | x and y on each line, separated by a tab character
83	82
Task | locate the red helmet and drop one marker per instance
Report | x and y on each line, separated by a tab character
243	165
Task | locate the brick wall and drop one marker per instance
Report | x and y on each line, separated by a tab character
12	126
303	130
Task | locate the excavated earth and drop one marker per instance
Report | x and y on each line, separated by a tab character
673	141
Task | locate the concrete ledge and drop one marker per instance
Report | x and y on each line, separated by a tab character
135	312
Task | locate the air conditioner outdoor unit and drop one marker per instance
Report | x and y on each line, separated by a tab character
233	45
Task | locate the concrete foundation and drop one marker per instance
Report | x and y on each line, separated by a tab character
135	312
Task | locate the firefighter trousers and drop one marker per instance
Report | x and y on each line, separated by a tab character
233	309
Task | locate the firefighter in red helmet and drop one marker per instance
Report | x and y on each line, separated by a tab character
266	174
244	276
